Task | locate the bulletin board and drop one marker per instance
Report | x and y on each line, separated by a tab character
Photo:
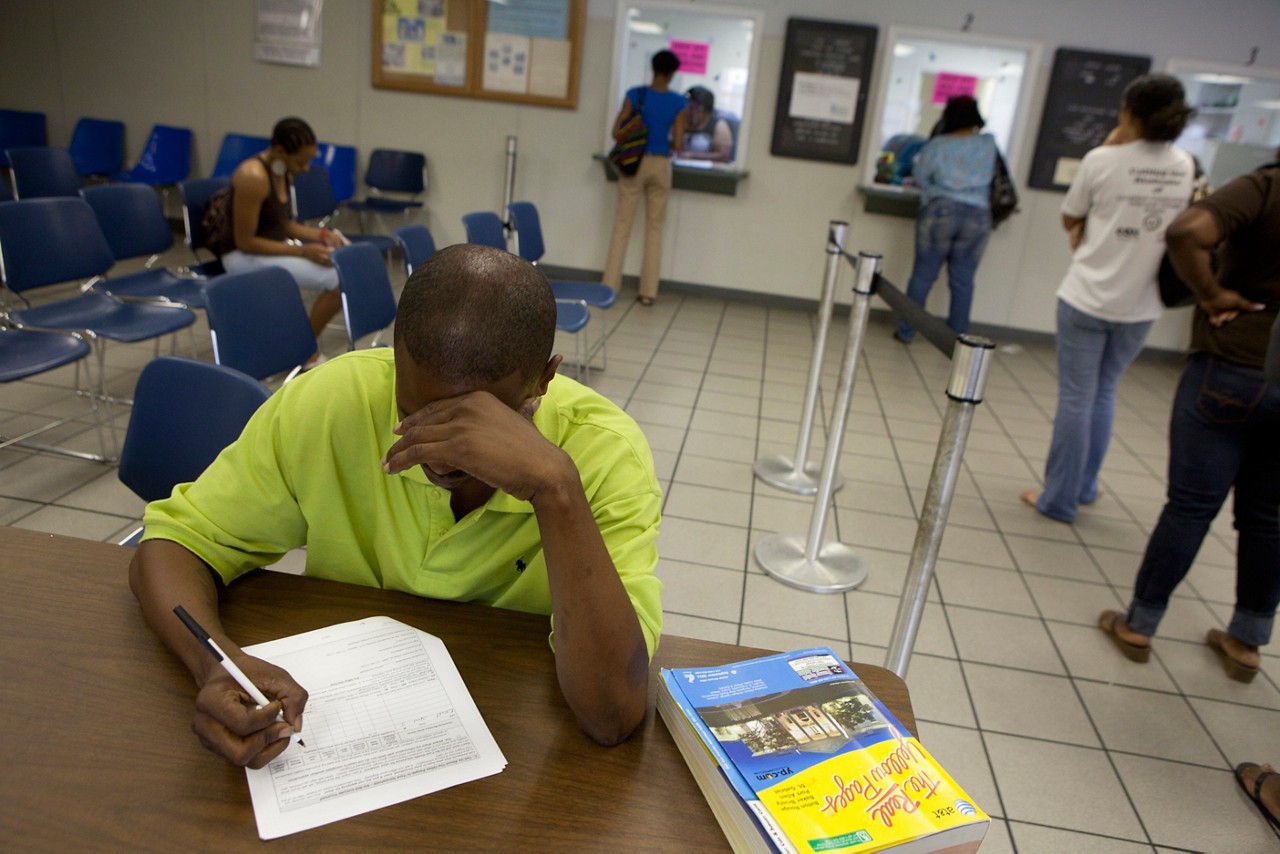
525	51
822	93
1081	108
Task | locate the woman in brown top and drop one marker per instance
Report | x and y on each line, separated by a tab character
1224	434
265	233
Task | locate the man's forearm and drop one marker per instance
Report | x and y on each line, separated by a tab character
164	574
601	658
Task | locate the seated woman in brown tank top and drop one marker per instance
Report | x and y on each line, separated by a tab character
265	233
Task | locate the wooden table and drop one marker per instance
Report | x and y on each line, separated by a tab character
97	752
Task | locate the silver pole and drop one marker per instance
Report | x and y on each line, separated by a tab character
796	474
509	184
969	367
814	565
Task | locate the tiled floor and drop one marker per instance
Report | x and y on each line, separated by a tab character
1069	746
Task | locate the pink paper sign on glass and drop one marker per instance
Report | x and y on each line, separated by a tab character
693	55
947	85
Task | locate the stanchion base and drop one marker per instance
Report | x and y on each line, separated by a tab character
781	472
836	569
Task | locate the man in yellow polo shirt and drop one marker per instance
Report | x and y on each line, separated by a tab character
459	466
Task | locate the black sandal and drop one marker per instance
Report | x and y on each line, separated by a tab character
1256	793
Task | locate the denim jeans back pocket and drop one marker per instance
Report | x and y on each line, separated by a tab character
1229	394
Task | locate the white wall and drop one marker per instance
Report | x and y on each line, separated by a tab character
190	62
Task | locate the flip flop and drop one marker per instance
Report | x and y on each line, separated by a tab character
1107	621
1255	793
1237	670
644	300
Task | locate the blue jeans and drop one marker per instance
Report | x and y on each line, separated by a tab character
1224	433
955	233
1092	356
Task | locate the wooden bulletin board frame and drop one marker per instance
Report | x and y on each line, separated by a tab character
456	44
835	59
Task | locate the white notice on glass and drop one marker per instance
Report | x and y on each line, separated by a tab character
825	97
389	719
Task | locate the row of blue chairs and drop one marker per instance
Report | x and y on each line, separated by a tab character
97	151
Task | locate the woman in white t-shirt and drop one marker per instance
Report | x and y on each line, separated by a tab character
1122	199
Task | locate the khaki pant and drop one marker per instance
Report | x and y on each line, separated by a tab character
653	179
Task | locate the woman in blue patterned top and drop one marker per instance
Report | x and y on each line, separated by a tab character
954	171
664	115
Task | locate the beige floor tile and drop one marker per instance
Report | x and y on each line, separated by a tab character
703	542
700	628
42	477
981	587
1065	600
1033	837
1090	655
12	510
1032	704
1198	673
1049	557
726	475
1193	808
700	591
1061	785
105	494
973	545
1151	723
773	639
721	446
770	603
1244	733
938	691
706	504
75	523
1003	639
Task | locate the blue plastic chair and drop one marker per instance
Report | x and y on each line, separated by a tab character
392	171
195	198
6	192
235	149
258	323
133	221
28	353
20	129
184	413
165	160
368	302
416	245
485	228
530	247
312	198
41	172
340	162
97	147
48	241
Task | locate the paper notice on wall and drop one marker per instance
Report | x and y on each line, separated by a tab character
1064	170
288	32
549	67
451	59
506	63
824	97
948	85
693	55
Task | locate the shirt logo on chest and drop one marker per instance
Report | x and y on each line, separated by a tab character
521	566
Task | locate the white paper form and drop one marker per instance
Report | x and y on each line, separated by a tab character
389	719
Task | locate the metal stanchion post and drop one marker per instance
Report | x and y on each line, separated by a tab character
969	367
830	567
509	185
797	474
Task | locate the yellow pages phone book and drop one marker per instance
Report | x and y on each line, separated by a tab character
795	754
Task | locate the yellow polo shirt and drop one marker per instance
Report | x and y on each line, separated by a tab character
307	471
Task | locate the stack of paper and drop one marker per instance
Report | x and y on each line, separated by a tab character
389	719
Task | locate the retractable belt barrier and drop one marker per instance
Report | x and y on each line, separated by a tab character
833	567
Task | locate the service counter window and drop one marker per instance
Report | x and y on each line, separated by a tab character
919	71
1237	124
719	50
